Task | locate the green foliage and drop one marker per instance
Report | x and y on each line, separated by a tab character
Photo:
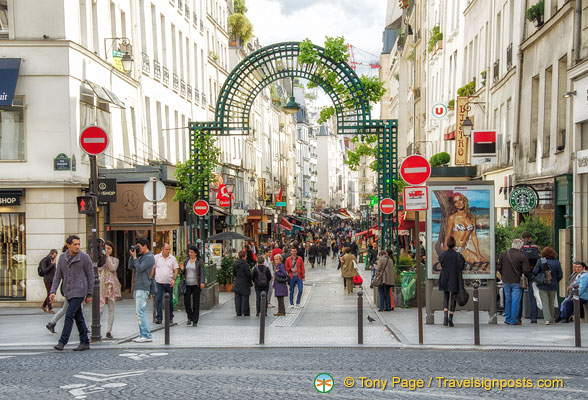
239	6
326	114
374	88
365	145
451	104
436	35
405	260
439	159
536	11
225	275
241	27
336	49
191	177
468	89
411	55
308	53
504	235
310	95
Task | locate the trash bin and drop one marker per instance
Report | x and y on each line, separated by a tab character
407	287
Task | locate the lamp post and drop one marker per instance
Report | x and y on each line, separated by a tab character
467	127
230	188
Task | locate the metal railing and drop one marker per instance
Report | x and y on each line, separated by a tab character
182	88
195	19
180	6
145	63
176	82
496	70
187	11
189	93
203	99
509	57
156	69
196	96
165	76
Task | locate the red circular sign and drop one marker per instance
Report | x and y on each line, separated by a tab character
93	140
201	208
387	206
415	170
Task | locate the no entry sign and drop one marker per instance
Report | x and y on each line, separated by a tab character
415	170
387	206
93	140
201	208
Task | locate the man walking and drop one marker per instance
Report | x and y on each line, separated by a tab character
142	262
532	252
165	272
75	270
47	266
512	264
295	268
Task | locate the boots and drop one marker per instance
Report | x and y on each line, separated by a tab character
445	318
450	322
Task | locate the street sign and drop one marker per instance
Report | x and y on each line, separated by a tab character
148	210
106	190
93	140
416	198
387	206
262	227
61	163
280	204
86	204
159	191
439	111
201	208
415	169
523	199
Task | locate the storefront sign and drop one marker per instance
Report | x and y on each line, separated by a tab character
461	142
61	163
9	68
582	162
106	190
128	208
216	251
9	199
523	199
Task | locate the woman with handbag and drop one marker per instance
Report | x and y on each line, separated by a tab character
385	278
348	270
280	284
547	274
452	265
193	270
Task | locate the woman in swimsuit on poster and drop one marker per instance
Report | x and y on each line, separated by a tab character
462	225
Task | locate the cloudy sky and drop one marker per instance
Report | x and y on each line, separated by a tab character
360	22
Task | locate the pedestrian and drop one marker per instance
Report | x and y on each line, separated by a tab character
295	268
353	247
348	270
165	271
276	250
385	267
312	254
280	284
533	253
75	274
261	277
452	265
142	262
551	269
511	265
47	265
583	287
323	250
242	289
567	306
334	248
270	266
193	269
250	255
109	285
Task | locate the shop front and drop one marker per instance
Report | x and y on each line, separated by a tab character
12	245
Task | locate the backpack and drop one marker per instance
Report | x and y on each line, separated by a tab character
544	276
532	253
260	278
40	268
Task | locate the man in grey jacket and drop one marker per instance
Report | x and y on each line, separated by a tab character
142	262
75	270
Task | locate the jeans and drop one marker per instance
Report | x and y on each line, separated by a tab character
161	289
242	305
192	302
295	281
258	291
74	312
512	302
384	294
110	306
140	302
46	303
449	300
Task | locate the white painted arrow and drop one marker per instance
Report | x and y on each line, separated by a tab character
107	377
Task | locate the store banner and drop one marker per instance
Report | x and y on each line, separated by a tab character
461	142
9	68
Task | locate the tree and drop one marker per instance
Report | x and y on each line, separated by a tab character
504	235
241	27
239	7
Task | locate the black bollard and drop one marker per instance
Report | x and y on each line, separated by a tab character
476	315
262	310
166	316
360	317
577	333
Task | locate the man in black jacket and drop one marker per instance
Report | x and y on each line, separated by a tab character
47	265
533	253
242	289
512	264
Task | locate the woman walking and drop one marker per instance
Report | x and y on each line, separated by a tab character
385	267
348	269
193	269
547	289
452	265
261	277
280	284
109	285
242	289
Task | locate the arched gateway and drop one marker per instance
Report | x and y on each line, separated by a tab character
337	79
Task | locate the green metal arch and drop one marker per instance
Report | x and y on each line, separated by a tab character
278	61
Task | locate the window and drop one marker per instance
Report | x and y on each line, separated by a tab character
547	112
154	32
12	146
534	126
562	79
4	19
12	256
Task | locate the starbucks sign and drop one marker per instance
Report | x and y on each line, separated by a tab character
523	199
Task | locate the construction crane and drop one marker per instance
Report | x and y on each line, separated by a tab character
351	49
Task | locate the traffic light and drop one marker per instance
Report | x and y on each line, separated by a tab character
86	204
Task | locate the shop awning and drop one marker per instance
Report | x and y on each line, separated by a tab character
9	68
372	231
218	211
284	223
104	94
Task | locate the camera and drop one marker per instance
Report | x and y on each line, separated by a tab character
134	248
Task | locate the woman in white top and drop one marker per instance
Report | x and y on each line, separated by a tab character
109	285
193	269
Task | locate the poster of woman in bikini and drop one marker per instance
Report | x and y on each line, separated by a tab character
466	213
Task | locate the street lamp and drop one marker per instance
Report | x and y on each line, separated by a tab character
230	188
467	127
292	107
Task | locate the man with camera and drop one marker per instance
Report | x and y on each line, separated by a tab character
165	272
142	262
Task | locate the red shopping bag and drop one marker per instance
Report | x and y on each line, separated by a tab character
357	280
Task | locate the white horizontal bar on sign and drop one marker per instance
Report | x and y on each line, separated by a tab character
94	140
415	170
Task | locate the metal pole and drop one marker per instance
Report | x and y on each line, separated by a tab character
262	226
417	243
166	316
96	334
476	315
153	233
262	310
577	333
360	317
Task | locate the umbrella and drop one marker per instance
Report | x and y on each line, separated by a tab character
228	236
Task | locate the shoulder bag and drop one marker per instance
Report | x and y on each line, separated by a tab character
523	281
379	278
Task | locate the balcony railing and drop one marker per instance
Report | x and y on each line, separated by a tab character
201	25
496	70
180	6
165	76
176	83
182	88
195	19
509	57
156	69
203	99
145	63
187	11
189	93
196	96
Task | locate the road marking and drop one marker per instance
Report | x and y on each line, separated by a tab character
140	357
81	390
91	376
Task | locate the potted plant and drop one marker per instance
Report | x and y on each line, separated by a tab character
535	13
483	75
440	159
227	272
451	104
435	41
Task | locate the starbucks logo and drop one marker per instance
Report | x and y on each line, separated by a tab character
523	199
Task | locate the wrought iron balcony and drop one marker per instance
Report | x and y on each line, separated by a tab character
196	96
182	88
187	11
496	70
203	99
180	6
176	82
156	69
195	19
145	63
201	25
189	93
509	57
165	76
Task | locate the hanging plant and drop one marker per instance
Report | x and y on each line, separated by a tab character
404	4
536	13
436	35
468	89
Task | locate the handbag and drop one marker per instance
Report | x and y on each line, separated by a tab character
182	287
462	295
282	278
379	278
523	280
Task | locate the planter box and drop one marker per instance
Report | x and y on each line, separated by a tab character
465	171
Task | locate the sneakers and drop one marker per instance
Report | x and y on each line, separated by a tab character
51	327
142	340
82	347
59	346
109	336
158	322
189	323
547	323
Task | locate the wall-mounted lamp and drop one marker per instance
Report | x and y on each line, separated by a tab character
567	95
467	127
